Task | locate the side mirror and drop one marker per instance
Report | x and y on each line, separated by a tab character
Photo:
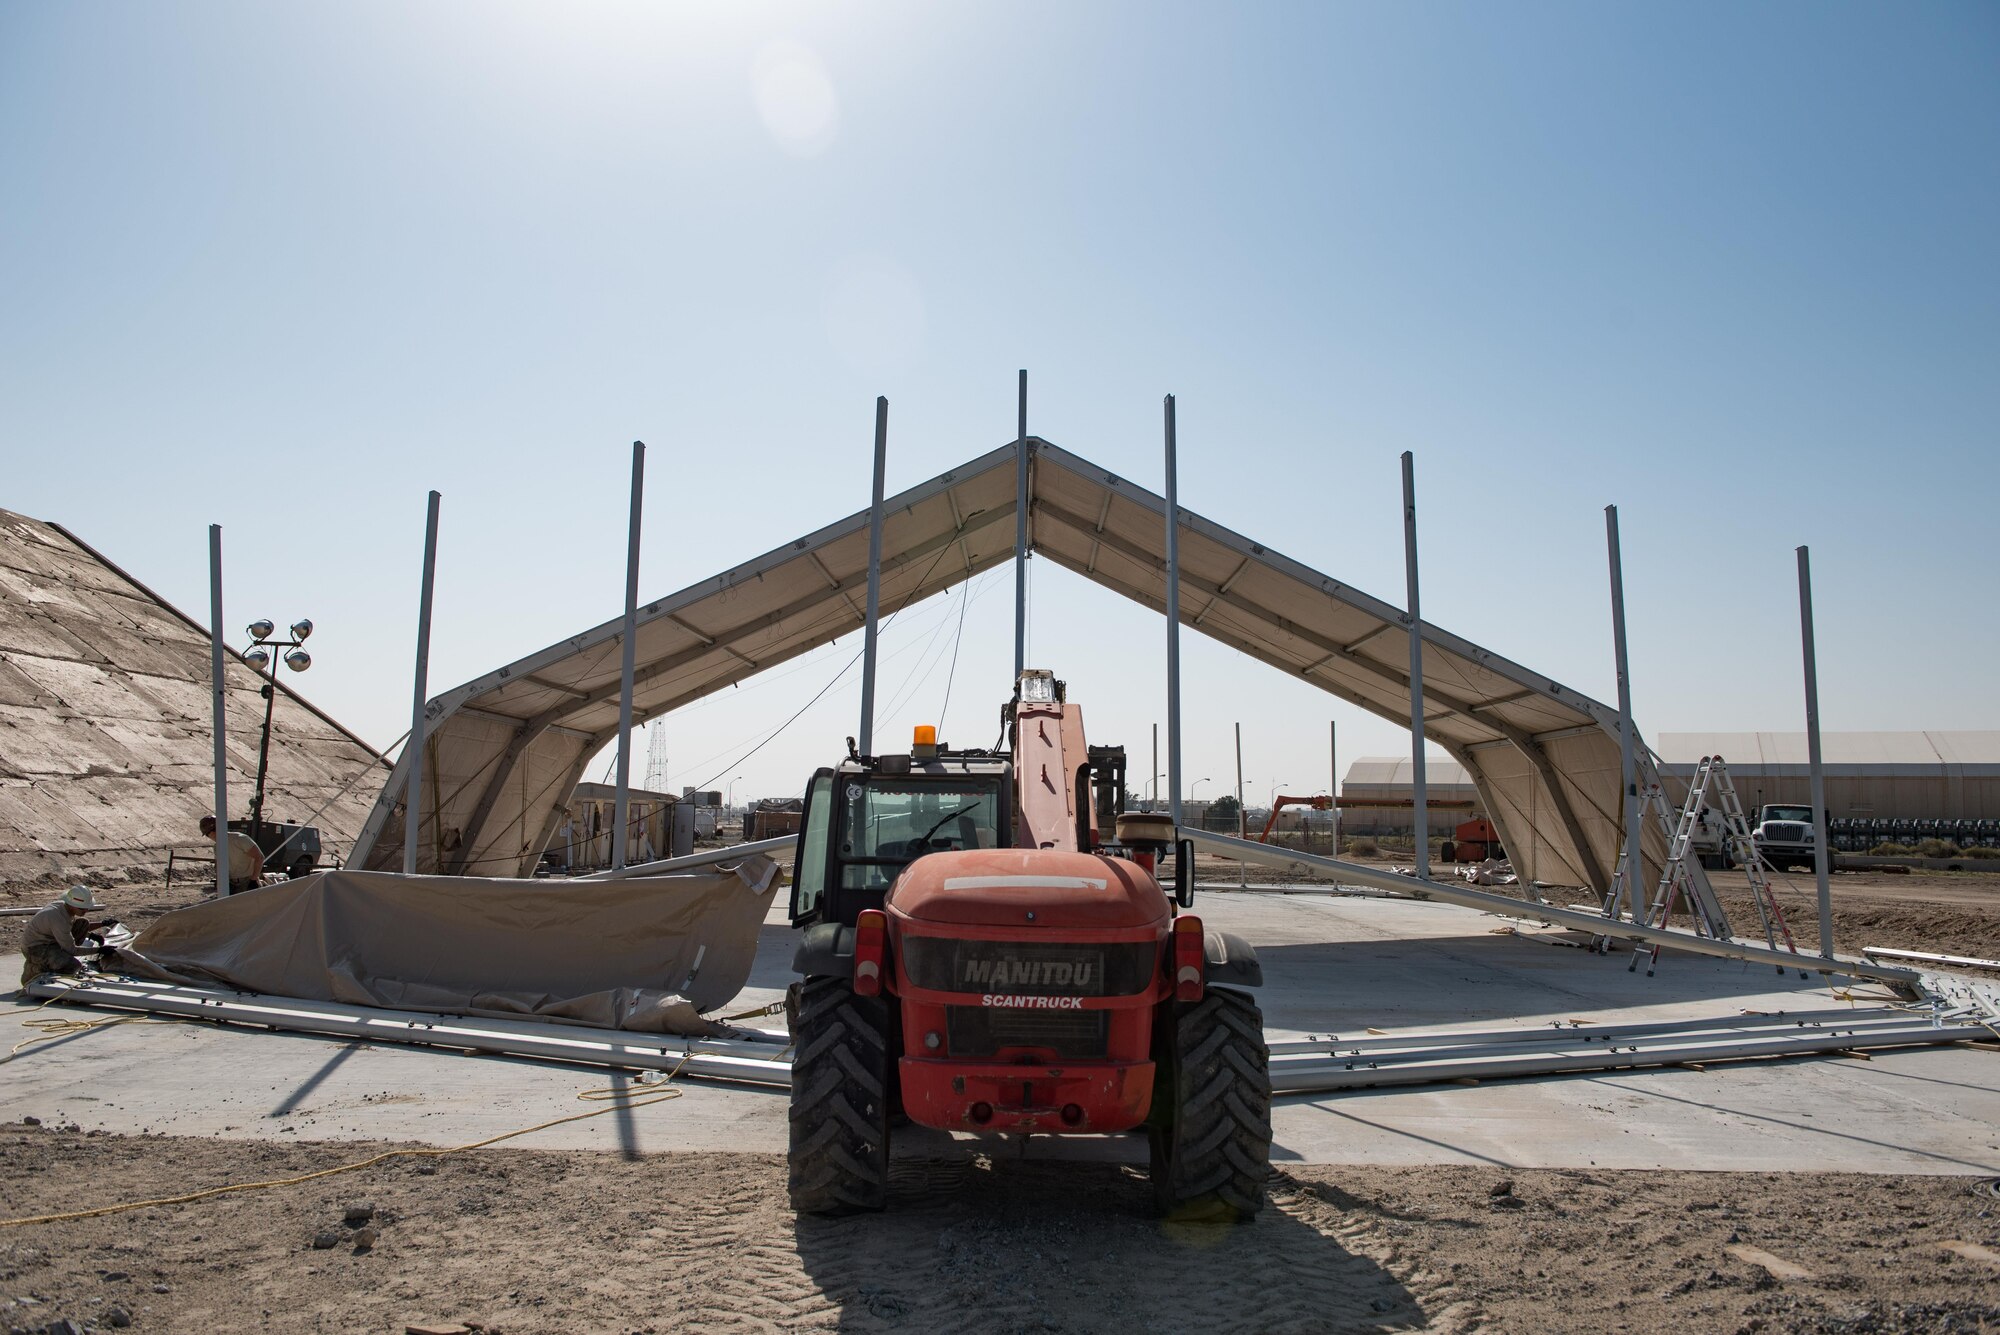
1184	873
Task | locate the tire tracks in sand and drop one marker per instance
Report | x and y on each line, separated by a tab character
1009	1245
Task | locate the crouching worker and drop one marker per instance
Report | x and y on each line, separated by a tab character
246	860
59	933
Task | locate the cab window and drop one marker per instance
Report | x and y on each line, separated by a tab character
887	824
809	863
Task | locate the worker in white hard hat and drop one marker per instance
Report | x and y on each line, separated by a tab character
246	860
59	934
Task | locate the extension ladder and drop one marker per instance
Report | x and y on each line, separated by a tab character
1710	919
1743	850
1680	877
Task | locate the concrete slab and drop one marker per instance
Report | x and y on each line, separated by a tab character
1333	965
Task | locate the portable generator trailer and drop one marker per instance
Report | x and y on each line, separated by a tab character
979	957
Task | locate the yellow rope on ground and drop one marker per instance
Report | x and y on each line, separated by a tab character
210	1193
53	1027
657	1078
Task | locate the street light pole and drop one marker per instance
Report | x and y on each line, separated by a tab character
263	656
1153	784
270	690
1242	830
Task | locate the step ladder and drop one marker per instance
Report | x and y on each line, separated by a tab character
1681	876
1742	849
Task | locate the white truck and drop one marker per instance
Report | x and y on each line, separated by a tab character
1784	836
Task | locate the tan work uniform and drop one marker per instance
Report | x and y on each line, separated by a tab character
51	943
246	862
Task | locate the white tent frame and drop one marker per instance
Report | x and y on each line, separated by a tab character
504	751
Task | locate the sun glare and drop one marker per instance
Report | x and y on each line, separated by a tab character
795	97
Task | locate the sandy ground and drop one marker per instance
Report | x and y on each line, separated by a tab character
133	905
1951	913
519	1241
524	1241
510	1240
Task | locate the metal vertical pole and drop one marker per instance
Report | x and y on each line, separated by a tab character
1822	857
1420	830
1242	827
1333	779
413	815
628	665
220	692
1173	624
1627	736
1153	778
1021	536
874	581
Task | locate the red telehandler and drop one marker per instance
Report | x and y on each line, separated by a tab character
977	956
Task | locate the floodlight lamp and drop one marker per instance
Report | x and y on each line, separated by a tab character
260	630
298	660
258	658
1038	686
302	629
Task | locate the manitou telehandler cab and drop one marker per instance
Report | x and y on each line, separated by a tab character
978	957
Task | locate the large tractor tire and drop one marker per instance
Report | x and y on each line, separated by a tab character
1211	1136
841	1064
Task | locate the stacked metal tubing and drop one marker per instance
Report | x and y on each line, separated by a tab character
762	1061
1316	1065
1309	1065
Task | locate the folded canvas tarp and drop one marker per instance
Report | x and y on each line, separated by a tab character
649	953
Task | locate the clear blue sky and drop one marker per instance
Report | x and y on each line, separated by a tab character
1731	267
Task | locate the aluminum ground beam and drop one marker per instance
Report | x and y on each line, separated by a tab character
1466	896
1429	1058
756	1062
1313	1064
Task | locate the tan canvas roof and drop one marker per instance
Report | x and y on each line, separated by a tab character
505	749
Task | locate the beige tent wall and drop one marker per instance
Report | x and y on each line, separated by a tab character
645	953
1929	775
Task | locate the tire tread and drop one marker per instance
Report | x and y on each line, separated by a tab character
839	1149
1211	1159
